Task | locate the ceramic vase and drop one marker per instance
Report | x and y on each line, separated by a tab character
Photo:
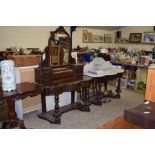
8	75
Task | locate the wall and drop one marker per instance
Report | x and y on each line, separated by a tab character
78	38
37	36
25	36
125	33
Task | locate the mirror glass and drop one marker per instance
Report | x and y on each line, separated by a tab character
59	47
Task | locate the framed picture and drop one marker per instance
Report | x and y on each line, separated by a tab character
98	39
107	38
148	37
135	37
85	36
90	37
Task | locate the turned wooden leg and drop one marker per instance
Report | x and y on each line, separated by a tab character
87	99
72	96
99	87
80	93
57	113
43	101
105	85
94	86
118	89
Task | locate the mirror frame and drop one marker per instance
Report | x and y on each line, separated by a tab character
53	42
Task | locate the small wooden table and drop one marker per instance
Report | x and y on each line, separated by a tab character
22	91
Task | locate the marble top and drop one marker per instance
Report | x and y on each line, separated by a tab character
99	67
110	71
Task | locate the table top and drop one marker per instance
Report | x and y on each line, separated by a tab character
111	71
22	90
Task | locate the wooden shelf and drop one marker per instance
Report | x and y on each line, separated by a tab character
136	43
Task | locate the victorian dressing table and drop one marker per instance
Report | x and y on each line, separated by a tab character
57	75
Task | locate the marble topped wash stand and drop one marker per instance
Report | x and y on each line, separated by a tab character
100	82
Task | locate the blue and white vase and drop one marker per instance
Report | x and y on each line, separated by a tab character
8	75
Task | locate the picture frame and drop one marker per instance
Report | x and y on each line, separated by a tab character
85	36
135	37
98	38
90	37
148	37
107	38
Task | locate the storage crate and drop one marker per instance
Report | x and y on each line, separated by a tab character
25	60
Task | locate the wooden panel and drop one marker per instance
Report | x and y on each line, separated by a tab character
150	85
25	60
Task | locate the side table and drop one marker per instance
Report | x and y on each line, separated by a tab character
23	90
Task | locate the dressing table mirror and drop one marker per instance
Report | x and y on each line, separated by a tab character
57	66
58	52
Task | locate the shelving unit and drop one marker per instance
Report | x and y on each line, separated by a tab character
135	43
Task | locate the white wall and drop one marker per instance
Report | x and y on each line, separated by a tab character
37	37
25	36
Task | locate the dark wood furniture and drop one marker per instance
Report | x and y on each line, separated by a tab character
53	116
4	55
142	115
22	91
56	74
55	81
